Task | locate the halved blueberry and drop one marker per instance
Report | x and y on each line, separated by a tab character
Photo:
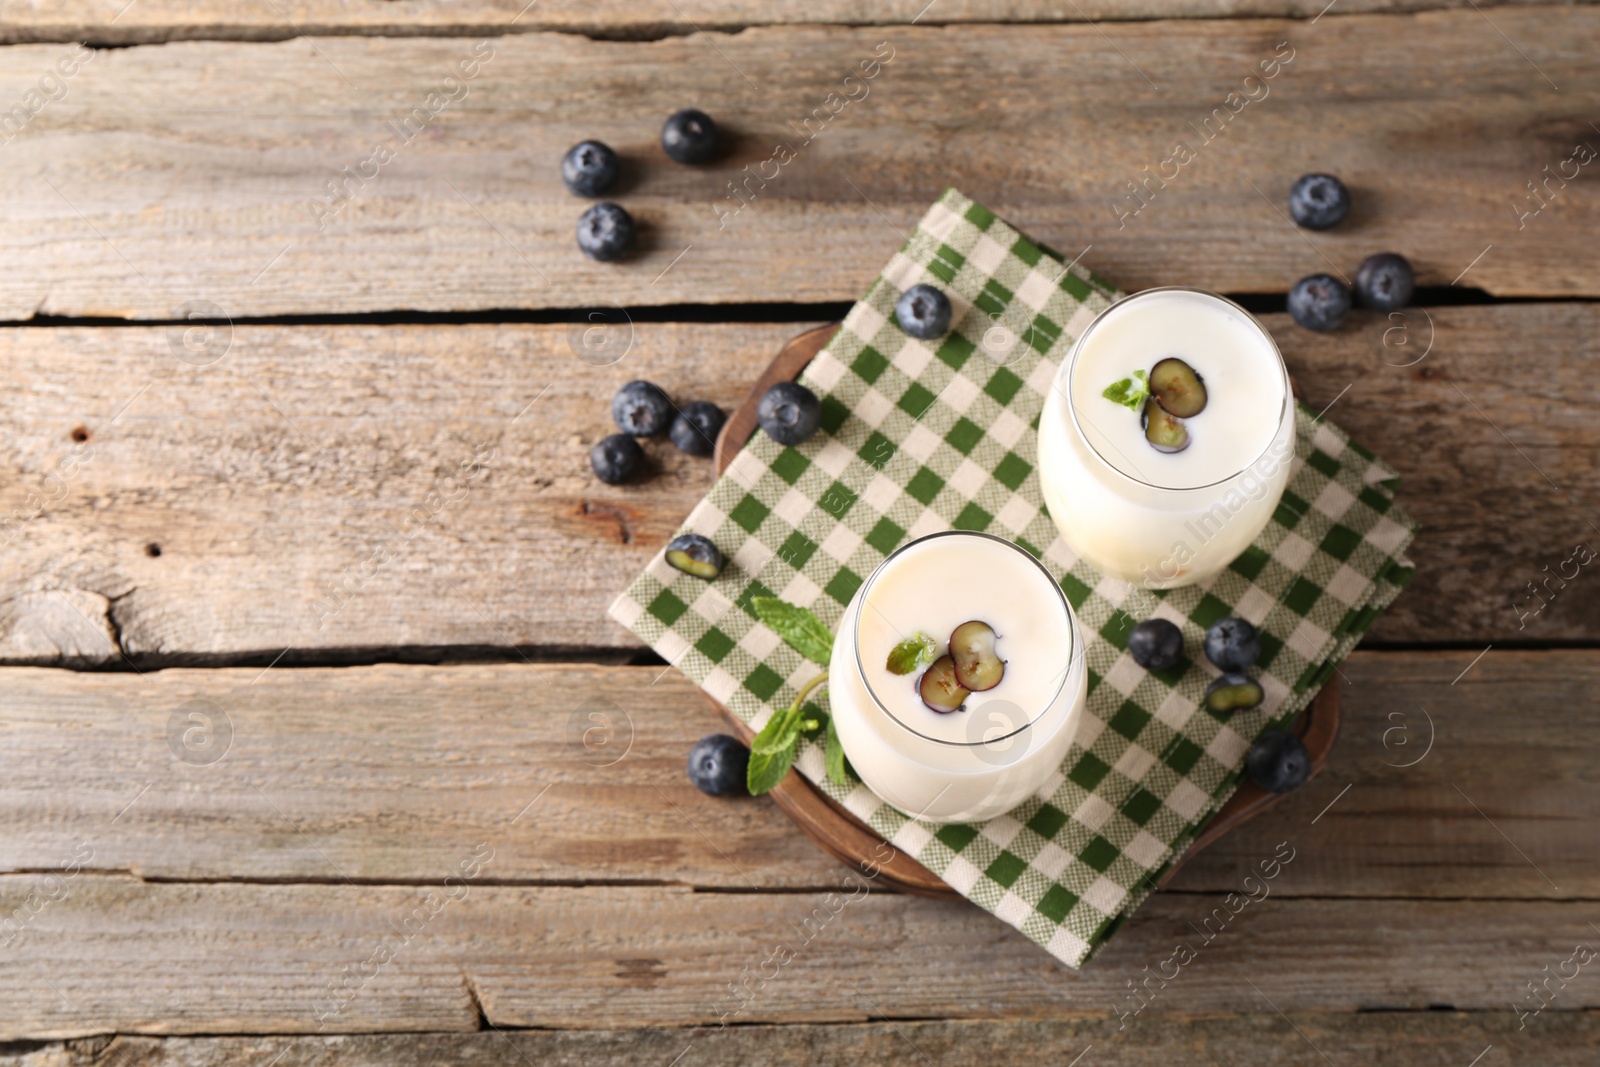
1156	645
695	429
1278	762
1233	692
1165	432
1385	281
695	554
789	412
923	312
718	764
1319	302
1318	201
972	648
589	168
1177	388
1233	644
939	688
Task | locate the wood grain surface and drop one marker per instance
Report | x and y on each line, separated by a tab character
269	179
575	775
1558	1039
117	21
306	491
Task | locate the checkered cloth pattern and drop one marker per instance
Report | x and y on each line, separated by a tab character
919	437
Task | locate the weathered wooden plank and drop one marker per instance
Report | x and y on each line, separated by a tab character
392	774
260	179
1560	1039
331	439
110	954
115	21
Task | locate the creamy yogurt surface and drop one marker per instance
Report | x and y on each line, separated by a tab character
1243	377
935	585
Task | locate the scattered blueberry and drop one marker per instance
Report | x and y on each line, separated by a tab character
693	554
690	136
789	412
1278	762
718	765
589	168
1233	645
642	409
1156	645
1319	302
1385	282
695	429
1232	692
1318	201
923	312
605	232
616	459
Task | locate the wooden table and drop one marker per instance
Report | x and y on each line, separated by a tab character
317	744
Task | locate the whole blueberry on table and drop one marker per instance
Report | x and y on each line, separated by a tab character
718	765
1233	692
1319	302
690	136
923	312
616	459
695	429
1233	644
789	412
1318	201
589	168
1278	762
1385	281
605	232
642	409
695	554
1156	645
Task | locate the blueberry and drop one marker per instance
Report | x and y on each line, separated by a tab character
695	429
1233	692
1233	645
605	232
1318	201
694	554
789	412
1156	645
1319	302
1278	762
589	168
616	459
642	409
1385	282
923	312
690	136
718	765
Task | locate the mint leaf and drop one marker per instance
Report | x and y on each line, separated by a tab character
1130	392
772	750
800	629
767	769
838	773
915	651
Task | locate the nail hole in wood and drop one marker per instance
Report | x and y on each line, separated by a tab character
80	433
152	550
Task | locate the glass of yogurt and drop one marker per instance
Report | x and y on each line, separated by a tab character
1166	443
981	705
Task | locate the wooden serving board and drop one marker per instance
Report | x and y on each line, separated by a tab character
852	841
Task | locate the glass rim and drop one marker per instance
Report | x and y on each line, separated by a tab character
1070	367
1073	633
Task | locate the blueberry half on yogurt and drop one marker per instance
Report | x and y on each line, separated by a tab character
978	667
940	689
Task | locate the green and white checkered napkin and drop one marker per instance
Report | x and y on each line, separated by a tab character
919	437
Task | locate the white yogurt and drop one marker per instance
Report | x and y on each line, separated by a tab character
981	761
1167	519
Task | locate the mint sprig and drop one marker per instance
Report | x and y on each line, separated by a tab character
1130	392
915	651
773	750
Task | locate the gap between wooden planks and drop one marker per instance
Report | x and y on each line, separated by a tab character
254	179
318	489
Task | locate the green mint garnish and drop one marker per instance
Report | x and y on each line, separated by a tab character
799	628
915	651
1129	392
773	750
